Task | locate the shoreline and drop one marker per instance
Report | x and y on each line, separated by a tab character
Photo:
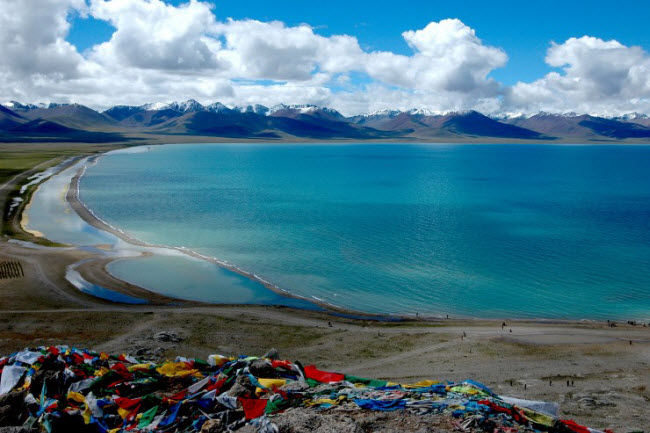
86	214
610	366
72	196
116	284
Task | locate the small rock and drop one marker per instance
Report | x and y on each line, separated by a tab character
247	429
167	337
594	401
12	405
263	368
295	386
212	426
272	354
242	387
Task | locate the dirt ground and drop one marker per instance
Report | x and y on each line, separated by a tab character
607	368
609	378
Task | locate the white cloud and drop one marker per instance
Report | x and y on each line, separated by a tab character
449	57
160	51
32	43
597	76
271	50
154	35
164	52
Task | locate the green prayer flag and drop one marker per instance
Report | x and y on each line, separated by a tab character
373	383
147	417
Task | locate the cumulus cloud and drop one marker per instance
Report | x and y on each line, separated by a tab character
271	50
154	35
32	43
448	57
597	76
162	52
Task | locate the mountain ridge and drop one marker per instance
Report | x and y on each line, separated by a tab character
309	121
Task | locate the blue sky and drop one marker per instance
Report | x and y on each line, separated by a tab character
505	57
523	29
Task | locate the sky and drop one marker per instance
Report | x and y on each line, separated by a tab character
355	56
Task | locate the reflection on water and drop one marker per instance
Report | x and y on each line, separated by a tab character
198	280
536	231
80	283
50	214
165	271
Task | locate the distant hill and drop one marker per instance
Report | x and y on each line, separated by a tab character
584	126
391	121
640	119
310	122
457	124
41	126
475	124
148	118
16	128
317	122
223	123
71	115
615	129
9	119
121	112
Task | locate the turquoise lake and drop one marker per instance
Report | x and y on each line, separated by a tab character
526	231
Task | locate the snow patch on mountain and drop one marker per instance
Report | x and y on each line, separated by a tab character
154	106
256	108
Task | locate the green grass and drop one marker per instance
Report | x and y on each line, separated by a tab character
17	158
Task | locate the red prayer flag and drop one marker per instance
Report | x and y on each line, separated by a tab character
575	427
127	403
121	369
516	414
283	364
180	395
217	385
253	408
322	376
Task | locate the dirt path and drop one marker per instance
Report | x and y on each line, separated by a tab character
119	342
28	173
35	264
364	366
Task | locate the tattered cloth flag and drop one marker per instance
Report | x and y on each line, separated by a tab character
64	389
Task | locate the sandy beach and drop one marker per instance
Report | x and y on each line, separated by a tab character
608	366
96	269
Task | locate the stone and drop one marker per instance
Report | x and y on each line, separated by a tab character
167	337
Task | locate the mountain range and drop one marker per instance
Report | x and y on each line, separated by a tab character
74	122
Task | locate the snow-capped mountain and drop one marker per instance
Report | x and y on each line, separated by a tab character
424	112
256	108
303	109
313	121
633	116
154	106
386	112
14	105
182	107
188	106
217	107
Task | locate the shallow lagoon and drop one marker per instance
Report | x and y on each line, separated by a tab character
191	278
536	231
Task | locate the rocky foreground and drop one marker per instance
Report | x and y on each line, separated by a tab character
62	389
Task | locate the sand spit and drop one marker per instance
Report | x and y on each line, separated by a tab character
608	368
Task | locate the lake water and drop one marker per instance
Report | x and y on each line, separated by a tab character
530	231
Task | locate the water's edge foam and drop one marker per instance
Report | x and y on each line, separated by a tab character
95	221
90	217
